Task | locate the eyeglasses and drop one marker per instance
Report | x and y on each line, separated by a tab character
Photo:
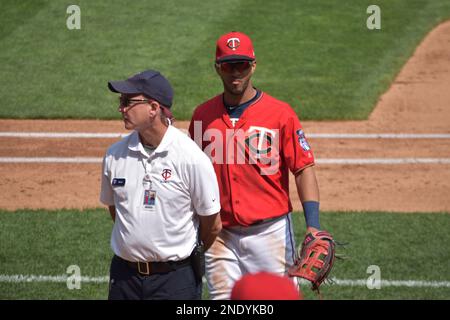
240	66
127	102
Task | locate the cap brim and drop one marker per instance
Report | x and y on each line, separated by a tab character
123	87
234	58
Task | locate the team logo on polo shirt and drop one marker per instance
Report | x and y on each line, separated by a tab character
166	174
302	140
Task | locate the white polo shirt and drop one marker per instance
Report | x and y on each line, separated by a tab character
183	184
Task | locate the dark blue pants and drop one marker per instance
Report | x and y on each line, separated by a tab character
127	284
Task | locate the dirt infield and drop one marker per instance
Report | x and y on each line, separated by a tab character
417	102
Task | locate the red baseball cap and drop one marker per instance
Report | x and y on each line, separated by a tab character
265	286
234	46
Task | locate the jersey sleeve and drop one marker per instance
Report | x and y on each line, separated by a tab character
295	149
195	131
106	191
203	186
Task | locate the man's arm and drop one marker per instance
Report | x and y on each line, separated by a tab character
210	227
112	212
307	187
308	191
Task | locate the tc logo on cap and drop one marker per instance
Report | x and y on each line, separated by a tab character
233	43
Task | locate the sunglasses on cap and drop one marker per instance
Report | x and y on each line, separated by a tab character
239	66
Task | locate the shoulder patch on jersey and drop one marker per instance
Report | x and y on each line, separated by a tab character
302	140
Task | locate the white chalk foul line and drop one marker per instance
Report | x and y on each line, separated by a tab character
392	283
20	278
61	135
50	160
379	135
350	161
364	161
68	135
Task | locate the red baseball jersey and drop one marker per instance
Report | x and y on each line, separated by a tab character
252	156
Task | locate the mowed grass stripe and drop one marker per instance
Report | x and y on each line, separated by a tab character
401	245
317	55
115	41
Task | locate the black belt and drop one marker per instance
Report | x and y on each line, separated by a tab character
267	220
148	268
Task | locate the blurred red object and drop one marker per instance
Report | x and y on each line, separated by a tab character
265	286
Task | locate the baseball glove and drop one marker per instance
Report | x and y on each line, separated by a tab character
315	258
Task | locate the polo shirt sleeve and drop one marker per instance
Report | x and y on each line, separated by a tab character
295	149
203	186
106	192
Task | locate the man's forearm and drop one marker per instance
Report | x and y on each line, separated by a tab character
210	227
308	191
112	212
307	186
208	239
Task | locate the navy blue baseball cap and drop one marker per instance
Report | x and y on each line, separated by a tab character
150	83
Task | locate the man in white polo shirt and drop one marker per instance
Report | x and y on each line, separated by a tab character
162	194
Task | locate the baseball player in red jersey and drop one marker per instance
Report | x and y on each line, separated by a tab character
253	140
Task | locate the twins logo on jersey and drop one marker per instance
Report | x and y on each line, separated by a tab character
256	145
302	140
259	140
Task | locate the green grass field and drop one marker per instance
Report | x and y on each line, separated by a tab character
317	55
404	246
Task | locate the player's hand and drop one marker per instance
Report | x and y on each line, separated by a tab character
311	230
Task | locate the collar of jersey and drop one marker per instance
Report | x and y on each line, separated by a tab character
242	105
136	145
